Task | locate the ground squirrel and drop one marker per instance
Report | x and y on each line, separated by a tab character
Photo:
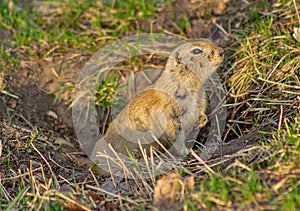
170	109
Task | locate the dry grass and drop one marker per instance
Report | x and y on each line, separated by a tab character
265	74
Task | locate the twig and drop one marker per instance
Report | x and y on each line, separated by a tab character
68	199
0	148
222	29
277	83
112	194
20	175
9	94
297	13
202	162
49	166
280	119
57	163
22	117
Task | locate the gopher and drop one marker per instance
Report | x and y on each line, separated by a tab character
166	114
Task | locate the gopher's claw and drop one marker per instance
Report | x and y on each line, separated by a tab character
203	120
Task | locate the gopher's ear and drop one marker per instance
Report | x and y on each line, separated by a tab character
177	57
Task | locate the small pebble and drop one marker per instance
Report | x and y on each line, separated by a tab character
52	114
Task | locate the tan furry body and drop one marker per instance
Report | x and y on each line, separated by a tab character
171	108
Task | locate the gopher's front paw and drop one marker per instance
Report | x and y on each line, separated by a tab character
203	120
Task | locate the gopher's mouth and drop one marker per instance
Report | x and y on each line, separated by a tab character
219	62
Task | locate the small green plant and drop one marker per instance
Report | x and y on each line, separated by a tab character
106	90
185	24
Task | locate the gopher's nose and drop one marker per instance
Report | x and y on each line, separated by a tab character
221	52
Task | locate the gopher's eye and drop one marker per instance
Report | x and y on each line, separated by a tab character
197	51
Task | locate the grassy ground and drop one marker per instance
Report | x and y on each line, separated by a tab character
45	43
